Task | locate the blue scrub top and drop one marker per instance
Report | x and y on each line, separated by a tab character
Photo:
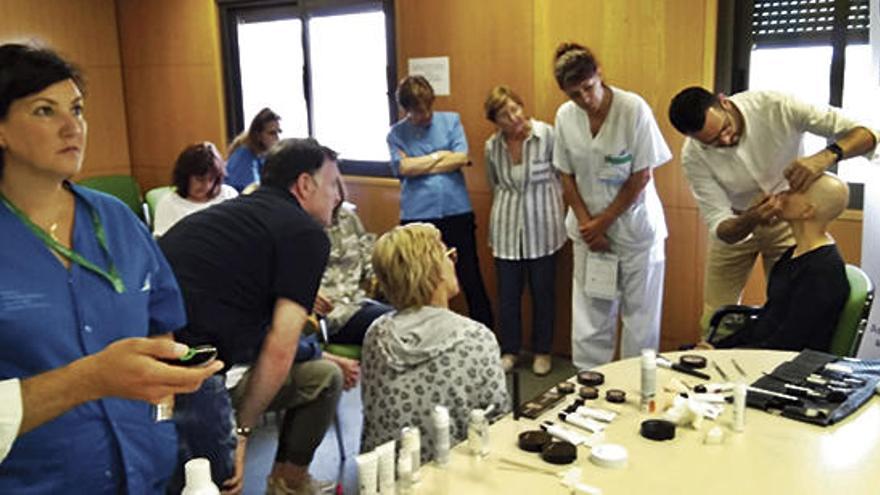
50	316
431	196
243	168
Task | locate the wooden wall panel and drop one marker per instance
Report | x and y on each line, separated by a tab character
173	81
683	294
83	31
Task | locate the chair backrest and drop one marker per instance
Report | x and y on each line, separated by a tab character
124	187
854	317
151	199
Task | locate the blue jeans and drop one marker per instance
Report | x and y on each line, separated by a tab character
205	422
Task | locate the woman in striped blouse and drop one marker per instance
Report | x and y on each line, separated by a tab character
526	227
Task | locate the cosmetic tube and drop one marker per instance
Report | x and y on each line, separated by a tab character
562	433
386	468
368	471
411	440
591	425
596	413
404	472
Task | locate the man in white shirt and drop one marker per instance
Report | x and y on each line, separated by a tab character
738	152
128	368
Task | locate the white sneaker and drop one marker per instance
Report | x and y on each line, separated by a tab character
508	362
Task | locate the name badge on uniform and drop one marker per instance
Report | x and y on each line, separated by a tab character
601	276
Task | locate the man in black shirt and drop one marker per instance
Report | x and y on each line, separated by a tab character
808	286
249	269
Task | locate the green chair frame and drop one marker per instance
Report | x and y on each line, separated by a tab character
151	199
124	187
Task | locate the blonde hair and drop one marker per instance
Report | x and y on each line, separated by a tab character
408	263
498	97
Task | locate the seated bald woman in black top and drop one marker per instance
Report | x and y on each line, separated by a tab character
807	287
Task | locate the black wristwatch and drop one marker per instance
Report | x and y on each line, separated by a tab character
837	150
243	431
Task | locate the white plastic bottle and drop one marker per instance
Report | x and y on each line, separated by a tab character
478	433
198	478
649	380
440	418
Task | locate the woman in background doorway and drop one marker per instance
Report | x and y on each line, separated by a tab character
245	163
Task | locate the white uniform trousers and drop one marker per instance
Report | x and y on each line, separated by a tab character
594	320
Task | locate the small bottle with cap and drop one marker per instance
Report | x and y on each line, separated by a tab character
478	433
198	478
440	419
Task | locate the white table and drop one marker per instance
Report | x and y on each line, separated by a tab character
773	455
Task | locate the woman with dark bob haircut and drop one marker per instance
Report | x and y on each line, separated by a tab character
79	275
198	183
247	151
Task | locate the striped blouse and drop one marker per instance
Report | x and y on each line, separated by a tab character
527	215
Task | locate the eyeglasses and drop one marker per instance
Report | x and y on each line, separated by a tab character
452	254
727	131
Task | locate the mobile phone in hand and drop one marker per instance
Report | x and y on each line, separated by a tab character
197	356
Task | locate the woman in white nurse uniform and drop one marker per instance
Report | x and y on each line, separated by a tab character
606	147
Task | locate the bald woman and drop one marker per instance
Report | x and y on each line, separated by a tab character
807	287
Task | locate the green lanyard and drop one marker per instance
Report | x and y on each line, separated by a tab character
112	276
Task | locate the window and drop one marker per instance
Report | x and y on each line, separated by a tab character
817	50
325	66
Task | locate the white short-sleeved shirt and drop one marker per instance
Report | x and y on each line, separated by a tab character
10	414
171	208
723	179
628	141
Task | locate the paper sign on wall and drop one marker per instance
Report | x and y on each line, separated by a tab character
435	70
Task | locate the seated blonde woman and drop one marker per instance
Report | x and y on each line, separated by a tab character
423	354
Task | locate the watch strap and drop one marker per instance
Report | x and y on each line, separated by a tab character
837	150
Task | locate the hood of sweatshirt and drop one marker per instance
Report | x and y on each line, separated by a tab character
410	337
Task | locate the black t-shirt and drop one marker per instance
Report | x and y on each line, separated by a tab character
235	259
805	296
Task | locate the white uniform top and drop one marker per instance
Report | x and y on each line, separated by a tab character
171	208
723	179
10	414
628	141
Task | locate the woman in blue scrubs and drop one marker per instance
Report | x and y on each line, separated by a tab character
245	162
78	272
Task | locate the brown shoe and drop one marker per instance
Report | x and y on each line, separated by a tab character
542	365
